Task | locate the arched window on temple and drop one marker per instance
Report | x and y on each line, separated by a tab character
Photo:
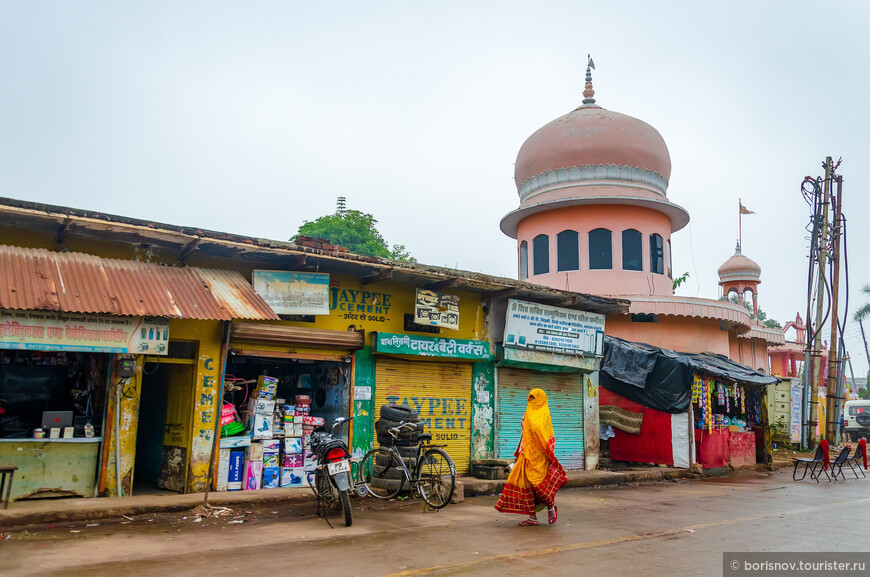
600	249
567	250
656	254
524	260
632	250
541	254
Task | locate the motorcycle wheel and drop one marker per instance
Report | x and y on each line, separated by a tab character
344	497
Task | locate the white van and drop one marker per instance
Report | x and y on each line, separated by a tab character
857	415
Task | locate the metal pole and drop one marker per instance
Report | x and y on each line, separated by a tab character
815	357
864	338
834	364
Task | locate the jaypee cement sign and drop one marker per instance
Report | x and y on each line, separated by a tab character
553	329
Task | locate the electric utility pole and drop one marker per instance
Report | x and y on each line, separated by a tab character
815	356
834	396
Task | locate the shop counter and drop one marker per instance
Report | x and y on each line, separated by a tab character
722	447
52	467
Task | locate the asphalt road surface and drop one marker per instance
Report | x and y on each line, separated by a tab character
663	528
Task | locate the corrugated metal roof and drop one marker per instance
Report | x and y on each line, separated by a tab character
83	283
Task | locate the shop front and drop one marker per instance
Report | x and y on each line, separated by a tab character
673	408
730	423
56	371
326	359
556	350
434	376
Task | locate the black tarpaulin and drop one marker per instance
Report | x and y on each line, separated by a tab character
661	379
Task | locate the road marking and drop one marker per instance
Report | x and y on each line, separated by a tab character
604	542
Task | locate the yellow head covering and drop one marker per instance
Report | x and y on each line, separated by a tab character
538	416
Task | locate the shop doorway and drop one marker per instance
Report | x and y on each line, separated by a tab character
164	430
325	381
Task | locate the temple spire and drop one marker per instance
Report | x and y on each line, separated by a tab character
589	92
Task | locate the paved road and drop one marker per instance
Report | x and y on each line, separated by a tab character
673	528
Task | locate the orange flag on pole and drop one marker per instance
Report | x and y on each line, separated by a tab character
743	209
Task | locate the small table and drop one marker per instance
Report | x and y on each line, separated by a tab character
6	471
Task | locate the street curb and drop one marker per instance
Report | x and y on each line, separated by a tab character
93	509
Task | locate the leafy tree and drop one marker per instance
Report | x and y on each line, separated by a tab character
864	312
762	316
355	230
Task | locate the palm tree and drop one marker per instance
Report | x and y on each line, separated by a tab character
864	311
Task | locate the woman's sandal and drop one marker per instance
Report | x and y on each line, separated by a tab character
528	523
554	515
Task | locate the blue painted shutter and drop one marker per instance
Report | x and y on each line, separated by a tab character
565	398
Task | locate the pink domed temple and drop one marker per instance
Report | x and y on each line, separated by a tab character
595	217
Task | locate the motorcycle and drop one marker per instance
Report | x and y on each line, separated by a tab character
332	474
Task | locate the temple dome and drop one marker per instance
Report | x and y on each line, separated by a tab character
593	136
739	267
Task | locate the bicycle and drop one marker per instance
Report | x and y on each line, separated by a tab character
385	472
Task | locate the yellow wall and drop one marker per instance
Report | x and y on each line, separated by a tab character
129	389
206	394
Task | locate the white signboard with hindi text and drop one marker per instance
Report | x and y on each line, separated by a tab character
553	329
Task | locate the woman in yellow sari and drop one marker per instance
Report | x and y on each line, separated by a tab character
537	475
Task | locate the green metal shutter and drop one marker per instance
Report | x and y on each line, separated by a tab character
565	398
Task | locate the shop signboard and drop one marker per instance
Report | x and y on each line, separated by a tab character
553	329
436	309
395	344
53	331
796	396
293	293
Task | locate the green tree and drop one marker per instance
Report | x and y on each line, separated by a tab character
864	312
762	316
355	230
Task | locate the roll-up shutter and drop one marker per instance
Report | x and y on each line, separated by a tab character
442	394
289	335
565	398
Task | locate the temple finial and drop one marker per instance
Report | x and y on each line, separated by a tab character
588	92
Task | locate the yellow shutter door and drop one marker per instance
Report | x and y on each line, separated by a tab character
441	392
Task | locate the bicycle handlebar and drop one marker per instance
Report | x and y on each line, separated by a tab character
394	432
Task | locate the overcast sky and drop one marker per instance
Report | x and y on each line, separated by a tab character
251	117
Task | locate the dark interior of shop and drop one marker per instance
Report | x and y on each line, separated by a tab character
33	383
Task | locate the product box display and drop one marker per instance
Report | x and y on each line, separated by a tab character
236	469
271	445
253	475
293	461
223	469
261	406
271	477
293	445
233	442
266	387
270	460
292	477
254	452
262	426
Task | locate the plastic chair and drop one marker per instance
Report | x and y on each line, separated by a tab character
857	459
837	464
817	461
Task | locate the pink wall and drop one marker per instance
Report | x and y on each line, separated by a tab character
750	352
688	335
616	218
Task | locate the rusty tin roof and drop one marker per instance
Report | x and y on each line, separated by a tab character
75	282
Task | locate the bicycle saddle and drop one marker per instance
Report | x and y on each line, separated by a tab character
425	436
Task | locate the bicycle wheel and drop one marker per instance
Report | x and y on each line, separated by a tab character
436	476
375	476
